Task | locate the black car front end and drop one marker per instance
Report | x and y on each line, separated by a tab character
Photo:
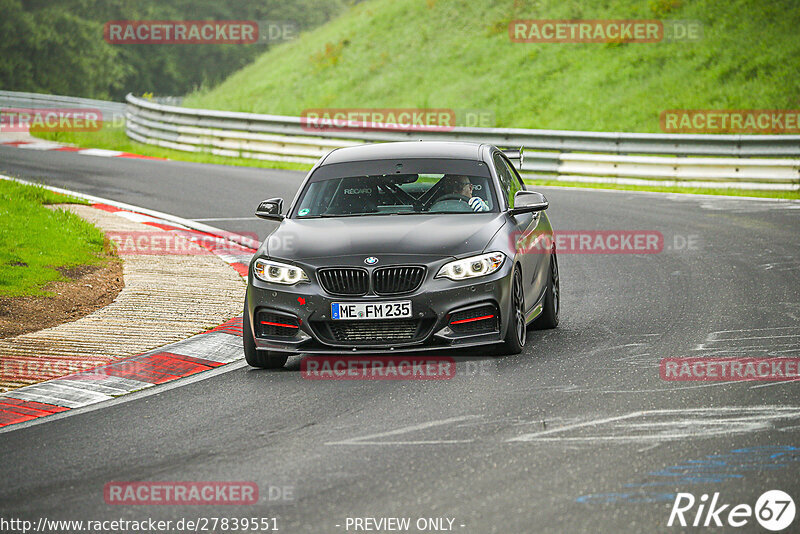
300	318
399	247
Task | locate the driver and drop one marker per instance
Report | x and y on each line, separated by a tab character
461	186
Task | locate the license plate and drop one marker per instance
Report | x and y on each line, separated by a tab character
371	310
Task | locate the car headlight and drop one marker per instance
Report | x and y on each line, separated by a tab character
472	267
279	273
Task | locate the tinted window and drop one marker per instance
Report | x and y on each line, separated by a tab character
509	182
516	184
397	194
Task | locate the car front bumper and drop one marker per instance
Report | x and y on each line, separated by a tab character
434	305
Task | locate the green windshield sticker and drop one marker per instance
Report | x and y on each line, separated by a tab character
303	211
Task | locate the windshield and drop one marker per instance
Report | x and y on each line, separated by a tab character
397	194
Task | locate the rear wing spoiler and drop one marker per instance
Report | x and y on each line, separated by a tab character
515	154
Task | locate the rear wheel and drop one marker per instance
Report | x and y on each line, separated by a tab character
516	333
258	358
552	300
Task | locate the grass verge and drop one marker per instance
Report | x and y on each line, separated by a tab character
111	138
36	242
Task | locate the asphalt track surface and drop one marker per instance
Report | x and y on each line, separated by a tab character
578	433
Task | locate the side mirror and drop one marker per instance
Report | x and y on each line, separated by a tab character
528	202
270	209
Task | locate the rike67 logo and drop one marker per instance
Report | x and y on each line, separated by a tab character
774	510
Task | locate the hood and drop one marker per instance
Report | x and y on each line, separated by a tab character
431	235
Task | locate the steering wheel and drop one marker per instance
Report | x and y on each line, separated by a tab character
453	196
453	201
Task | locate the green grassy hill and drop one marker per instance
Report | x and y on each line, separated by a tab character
457	54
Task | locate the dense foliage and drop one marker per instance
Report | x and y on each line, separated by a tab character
58	47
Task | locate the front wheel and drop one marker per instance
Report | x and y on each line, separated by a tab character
552	300
516	332
258	358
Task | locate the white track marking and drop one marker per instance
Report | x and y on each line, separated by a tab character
210	219
754	329
100	152
755	337
424	442
687	423
40	145
367	440
234	258
112	386
535	435
60	393
92	388
155	390
215	346
138	217
661	390
720	341
753	351
777	383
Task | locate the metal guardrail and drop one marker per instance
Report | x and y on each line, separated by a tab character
743	161
112	111
728	159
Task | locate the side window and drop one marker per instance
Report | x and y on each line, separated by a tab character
516	182
509	182
502	173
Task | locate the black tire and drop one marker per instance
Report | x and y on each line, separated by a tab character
516	333
258	358
552	300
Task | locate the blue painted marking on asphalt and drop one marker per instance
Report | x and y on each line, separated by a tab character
716	468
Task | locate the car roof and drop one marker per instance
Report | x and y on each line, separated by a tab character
405	150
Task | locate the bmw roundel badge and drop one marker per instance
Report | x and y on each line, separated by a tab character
372	260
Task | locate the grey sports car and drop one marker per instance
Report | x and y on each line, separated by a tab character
404	246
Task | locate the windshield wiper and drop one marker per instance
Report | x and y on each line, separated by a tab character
377	214
336	216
